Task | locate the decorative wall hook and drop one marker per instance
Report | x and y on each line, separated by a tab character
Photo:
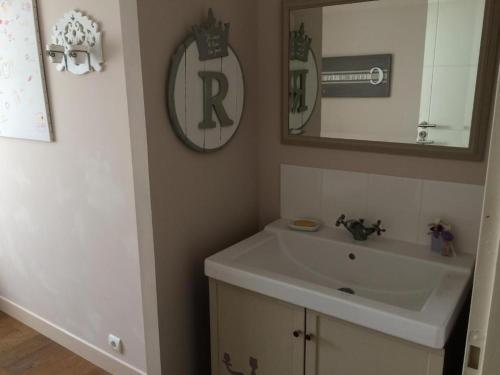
76	44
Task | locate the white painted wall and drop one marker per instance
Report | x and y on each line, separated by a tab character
484	328
405	205
68	232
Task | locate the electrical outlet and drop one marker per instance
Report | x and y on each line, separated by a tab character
115	343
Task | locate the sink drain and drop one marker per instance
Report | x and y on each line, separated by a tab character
347	290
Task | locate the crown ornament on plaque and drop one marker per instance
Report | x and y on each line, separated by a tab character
300	43
212	38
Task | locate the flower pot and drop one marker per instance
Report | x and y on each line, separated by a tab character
437	244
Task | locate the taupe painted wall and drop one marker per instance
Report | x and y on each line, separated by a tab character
272	153
201	203
68	232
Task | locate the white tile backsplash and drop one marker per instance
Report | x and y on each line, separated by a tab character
395	201
300	192
405	205
343	192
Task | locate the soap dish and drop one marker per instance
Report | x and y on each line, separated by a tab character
304	225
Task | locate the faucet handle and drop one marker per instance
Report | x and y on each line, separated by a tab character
378	228
340	220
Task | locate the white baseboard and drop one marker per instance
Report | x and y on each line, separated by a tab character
77	345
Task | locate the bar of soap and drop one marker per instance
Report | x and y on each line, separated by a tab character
304	225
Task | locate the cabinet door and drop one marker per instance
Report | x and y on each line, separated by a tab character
340	348
253	334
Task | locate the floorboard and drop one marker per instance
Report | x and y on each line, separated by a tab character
24	351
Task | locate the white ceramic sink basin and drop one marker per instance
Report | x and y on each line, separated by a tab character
399	288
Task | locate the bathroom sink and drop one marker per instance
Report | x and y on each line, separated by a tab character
394	287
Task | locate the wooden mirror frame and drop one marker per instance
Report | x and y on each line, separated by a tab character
484	101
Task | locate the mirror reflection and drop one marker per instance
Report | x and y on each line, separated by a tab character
401	71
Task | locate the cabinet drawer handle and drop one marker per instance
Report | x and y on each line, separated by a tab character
309	337
297	333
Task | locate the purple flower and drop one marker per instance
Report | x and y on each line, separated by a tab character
447	236
440	231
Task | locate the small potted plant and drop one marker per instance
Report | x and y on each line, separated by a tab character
441	238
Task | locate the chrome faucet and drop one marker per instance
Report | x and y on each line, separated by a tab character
358	229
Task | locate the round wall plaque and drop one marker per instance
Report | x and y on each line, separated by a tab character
206	90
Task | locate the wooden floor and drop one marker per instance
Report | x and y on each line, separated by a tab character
24	351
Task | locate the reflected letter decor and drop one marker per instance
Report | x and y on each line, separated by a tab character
206	90
303	80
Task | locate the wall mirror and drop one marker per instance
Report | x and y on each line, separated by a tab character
412	77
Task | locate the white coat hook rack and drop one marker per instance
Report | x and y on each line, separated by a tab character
76	44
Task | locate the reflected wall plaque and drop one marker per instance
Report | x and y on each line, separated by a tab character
356	76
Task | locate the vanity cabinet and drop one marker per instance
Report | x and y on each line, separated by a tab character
257	335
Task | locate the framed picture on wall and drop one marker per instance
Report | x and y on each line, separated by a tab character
357	76
24	107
